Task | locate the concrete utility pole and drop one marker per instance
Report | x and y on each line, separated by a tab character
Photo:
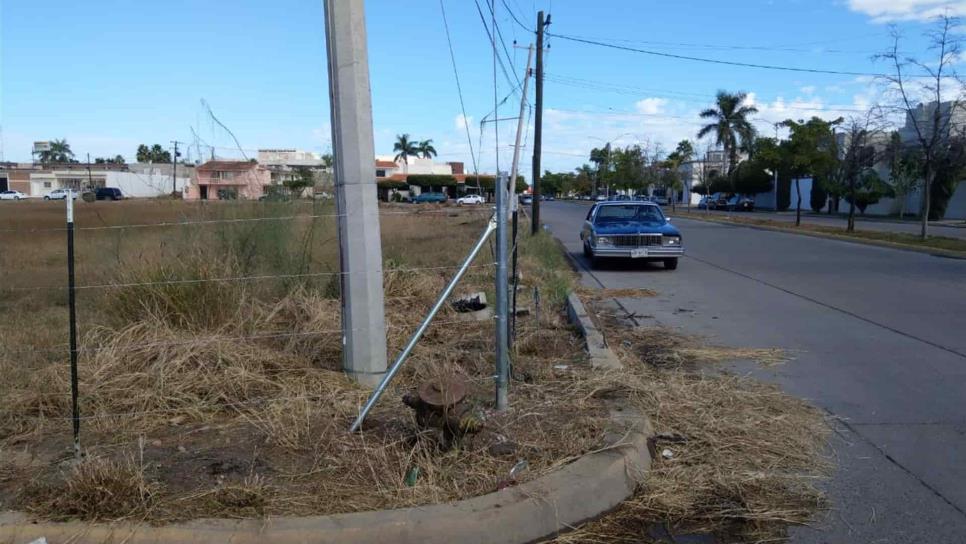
538	125
363	314
174	171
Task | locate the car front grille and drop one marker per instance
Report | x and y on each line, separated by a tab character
635	240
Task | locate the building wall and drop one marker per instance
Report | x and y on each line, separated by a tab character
134	185
250	184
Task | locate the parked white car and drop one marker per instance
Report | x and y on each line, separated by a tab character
473	200
12	195
60	194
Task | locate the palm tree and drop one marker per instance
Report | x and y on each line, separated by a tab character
405	148
426	149
600	157
730	124
59	152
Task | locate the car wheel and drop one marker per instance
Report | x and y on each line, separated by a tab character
587	252
671	264
46	198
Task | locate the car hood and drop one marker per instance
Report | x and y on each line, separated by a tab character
636	227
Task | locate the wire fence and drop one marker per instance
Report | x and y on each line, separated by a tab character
17	352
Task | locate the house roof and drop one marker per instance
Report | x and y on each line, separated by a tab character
234	166
385	164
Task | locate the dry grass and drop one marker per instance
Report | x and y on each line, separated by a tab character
732	456
97	488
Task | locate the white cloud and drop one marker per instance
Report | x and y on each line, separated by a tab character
651	106
905	10
809	89
462	122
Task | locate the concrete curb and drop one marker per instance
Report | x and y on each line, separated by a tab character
867	241
585	489
601	356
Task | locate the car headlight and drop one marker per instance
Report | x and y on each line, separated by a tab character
604	241
671	240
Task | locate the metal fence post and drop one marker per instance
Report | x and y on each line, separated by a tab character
72	309
502	294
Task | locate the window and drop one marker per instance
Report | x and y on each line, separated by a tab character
47	185
631	212
218	174
381	173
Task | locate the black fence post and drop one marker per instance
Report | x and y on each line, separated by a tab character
72	308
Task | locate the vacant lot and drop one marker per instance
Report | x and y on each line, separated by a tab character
209	364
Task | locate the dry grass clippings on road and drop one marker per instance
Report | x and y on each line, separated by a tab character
731	455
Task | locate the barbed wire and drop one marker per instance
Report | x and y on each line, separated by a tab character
455	211
236	278
65	348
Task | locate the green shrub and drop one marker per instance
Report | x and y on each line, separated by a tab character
425	181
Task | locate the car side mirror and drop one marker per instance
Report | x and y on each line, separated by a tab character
667	219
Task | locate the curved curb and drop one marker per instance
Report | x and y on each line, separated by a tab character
542	508
937	252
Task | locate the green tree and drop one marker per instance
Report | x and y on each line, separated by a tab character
683	153
405	148
59	152
752	177
904	169
302	180
730	124
809	151
601	157
155	154
867	189
426	149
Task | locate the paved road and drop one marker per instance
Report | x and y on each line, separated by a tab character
947	229
879	339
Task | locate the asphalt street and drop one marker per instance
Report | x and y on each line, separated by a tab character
949	229
878	340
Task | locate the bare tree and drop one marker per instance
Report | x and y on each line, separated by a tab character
930	99
857	149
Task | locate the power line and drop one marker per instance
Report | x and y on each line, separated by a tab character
499	59
713	61
459	89
515	18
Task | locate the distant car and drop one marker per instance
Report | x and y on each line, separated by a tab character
740	204
636	230
551	198
428	198
600	198
12	195
473	200
108	193
61	194
703	203
526	200
718	201
659	200
620	198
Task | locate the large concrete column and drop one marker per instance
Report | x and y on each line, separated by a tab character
363	317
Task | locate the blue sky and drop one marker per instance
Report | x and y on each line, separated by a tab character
108	75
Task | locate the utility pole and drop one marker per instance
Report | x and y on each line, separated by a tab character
90	181
350	98
513	195
538	125
174	171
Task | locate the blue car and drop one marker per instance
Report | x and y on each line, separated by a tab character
631	230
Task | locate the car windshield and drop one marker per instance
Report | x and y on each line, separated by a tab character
629	212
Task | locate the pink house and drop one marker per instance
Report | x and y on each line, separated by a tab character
225	180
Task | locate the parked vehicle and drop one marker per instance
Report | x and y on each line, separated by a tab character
551	198
428	198
600	198
719	201
739	203
659	200
620	198
704	202
12	195
108	193
473	200
635	230
526	200
61	194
